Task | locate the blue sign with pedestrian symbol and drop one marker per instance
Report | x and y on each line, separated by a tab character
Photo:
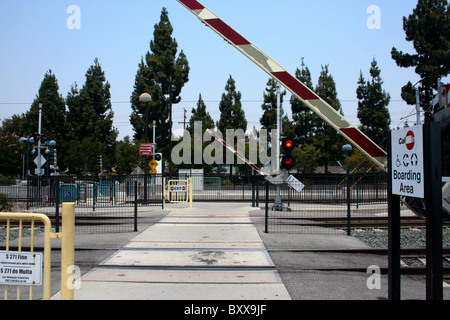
67	193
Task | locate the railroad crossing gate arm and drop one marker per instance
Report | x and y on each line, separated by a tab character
292	84
240	156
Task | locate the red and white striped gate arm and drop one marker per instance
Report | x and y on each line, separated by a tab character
296	87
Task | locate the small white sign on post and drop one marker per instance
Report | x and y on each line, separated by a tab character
178	188
407	162
20	268
294	183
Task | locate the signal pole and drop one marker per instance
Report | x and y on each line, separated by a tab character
278	205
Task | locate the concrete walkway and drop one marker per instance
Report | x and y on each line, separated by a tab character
210	252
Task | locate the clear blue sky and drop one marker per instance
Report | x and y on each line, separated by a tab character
34	38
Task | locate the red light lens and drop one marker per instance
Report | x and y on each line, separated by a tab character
288	144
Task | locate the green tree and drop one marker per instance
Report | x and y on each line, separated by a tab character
304	119
269	118
12	125
53	111
12	152
90	111
306	158
200	114
127	156
326	137
373	101
232	116
163	75
82	156
428	28
53	119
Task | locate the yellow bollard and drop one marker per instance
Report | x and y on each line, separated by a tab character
67	251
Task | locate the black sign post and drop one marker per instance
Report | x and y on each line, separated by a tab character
393	234
433	202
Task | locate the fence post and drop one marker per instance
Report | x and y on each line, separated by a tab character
257	191
135	207
56	204
67	251
191	186
253	188
163	186
266	222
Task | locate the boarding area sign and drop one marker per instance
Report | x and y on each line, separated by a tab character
407	160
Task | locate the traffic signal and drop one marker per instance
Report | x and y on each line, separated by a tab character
444	96
287	159
100	161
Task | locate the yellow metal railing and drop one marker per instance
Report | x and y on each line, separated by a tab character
67	248
21	217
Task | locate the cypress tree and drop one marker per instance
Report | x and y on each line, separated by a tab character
373	102
428	28
269	118
232	116
90	112
304	120
162	74
200	114
326	137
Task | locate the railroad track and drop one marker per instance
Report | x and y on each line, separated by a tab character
412	260
341	222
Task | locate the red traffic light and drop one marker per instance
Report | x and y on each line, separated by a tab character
288	144
287	162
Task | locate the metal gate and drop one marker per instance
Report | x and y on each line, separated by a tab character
10	272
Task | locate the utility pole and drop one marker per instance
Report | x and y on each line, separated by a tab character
278	206
39	141
185	119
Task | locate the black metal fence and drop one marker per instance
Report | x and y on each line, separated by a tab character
115	203
107	204
327	204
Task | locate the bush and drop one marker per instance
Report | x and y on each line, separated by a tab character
5	181
4	203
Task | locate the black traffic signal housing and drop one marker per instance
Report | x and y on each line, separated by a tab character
287	159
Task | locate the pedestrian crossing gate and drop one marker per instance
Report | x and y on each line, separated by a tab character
178	191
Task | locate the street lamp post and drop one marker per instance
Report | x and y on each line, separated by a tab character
172	88
145	98
27	140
